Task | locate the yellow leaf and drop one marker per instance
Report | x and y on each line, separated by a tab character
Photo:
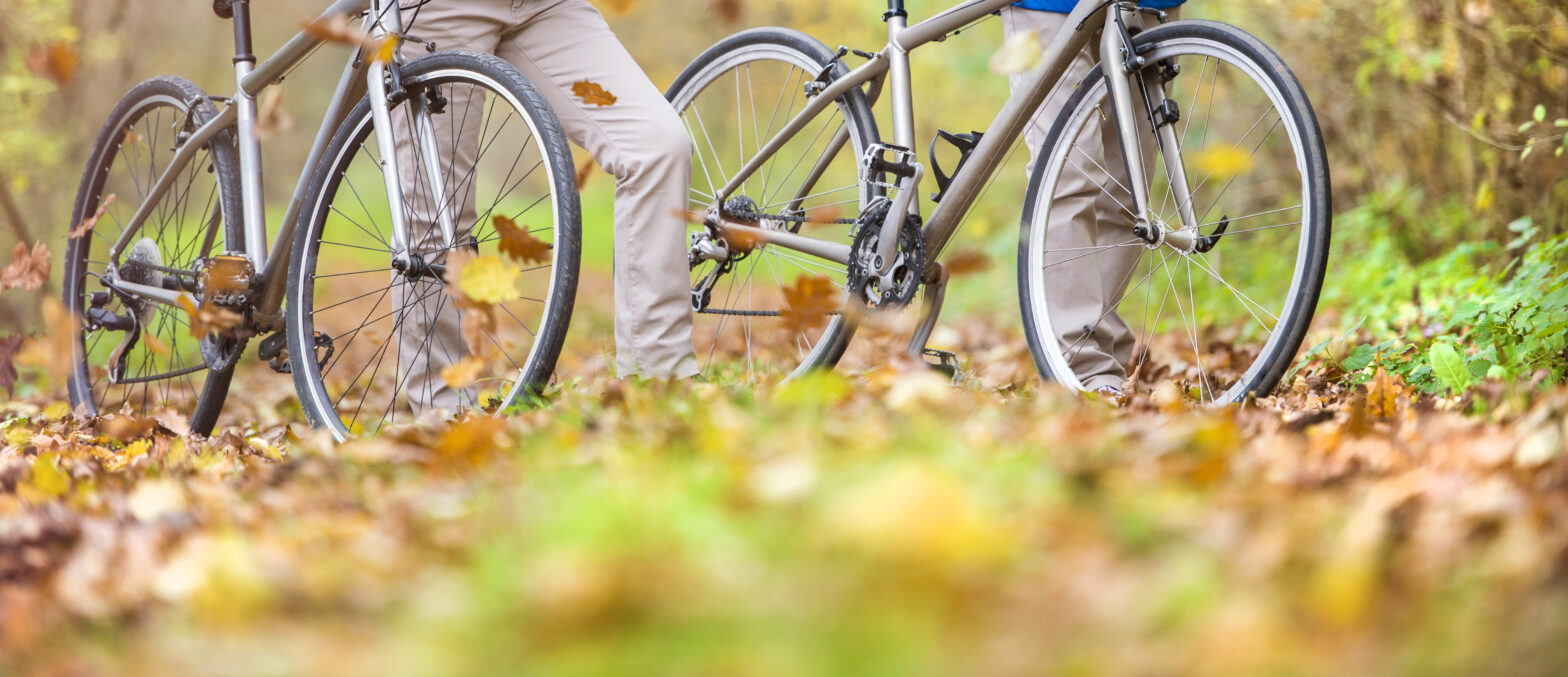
488	278
56	61
49	481
1020	52
1222	162
916	513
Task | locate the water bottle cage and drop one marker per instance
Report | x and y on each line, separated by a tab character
965	143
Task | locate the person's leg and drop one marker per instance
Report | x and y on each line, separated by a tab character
429	335
1076	299
1119	266
641	142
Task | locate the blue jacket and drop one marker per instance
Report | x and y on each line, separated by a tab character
1065	6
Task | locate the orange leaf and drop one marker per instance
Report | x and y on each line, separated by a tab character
56	61
518	243
207	319
462	373
28	270
592	93
618	7
824	215
808	303
966	263
87	225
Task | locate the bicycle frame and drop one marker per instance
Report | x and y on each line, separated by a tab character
361	76
892	63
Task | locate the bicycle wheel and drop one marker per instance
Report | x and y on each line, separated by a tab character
371	343
131	353
733	98
1101	308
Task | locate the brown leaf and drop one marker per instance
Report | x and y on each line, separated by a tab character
8	348
28	270
583	172
477	324
87	225
743	238
592	93
473	440
271	118
56	61
728	11
518	243
125	428
339	28
53	350
208	319
808	303
967	263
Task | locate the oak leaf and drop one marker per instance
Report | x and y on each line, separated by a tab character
208	319
28	270
518	243
728	11
592	93
808	303
87	224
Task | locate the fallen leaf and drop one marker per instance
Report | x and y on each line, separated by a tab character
208	319
518	243
8	348
57	61
87	225
592	93
1222	161
472	440
966	263
1383	395
728	11
1018	53
271	118
28	270
463	373
48	480
808	303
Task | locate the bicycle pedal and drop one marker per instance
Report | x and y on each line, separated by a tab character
947	363
274	351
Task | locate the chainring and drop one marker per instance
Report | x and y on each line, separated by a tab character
902	282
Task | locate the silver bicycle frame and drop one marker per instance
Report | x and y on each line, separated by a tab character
892	62
360	77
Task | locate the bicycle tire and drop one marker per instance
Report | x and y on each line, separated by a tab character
453	66
180	94
1285	338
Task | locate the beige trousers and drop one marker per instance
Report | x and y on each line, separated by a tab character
1087	212
639	140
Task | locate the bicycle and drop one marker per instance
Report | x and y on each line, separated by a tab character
1257	249
390	190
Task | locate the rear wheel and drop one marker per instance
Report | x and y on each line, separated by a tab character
130	353
733	99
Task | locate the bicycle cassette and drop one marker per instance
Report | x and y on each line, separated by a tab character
898	286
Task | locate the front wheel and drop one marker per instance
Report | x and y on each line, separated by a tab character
376	338
1223	320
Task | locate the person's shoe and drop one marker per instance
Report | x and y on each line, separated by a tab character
1112	394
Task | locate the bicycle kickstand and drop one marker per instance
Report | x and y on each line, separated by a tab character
935	293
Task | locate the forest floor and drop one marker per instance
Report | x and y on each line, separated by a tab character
884	522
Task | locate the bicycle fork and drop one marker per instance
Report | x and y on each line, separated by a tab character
377	77
1124	68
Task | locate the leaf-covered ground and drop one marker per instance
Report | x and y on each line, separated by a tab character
881	524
